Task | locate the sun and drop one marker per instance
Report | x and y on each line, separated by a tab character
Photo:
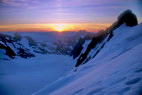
59	27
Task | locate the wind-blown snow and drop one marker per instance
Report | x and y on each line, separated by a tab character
116	70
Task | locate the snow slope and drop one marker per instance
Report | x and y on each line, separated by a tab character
115	70
25	76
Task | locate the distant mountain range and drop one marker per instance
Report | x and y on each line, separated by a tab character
28	44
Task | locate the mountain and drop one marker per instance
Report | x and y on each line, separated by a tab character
102	38
27	45
107	64
115	69
25	66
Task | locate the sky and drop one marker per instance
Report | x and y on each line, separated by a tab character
63	15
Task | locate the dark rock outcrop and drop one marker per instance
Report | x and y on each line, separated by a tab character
93	43
9	51
78	48
24	53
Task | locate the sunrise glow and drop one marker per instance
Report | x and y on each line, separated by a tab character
59	27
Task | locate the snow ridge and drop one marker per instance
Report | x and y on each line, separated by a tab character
115	70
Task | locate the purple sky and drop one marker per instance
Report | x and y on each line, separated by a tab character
64	11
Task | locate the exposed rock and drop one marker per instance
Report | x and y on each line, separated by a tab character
92	44
24	53
77	49
128	18
9	51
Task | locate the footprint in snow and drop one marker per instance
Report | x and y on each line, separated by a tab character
97	90
78	91
113	73
133	81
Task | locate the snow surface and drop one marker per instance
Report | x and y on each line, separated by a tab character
116	70
25	76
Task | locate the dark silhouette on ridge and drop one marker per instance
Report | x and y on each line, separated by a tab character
128	18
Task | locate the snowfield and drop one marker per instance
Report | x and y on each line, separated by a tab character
116	70
25	76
